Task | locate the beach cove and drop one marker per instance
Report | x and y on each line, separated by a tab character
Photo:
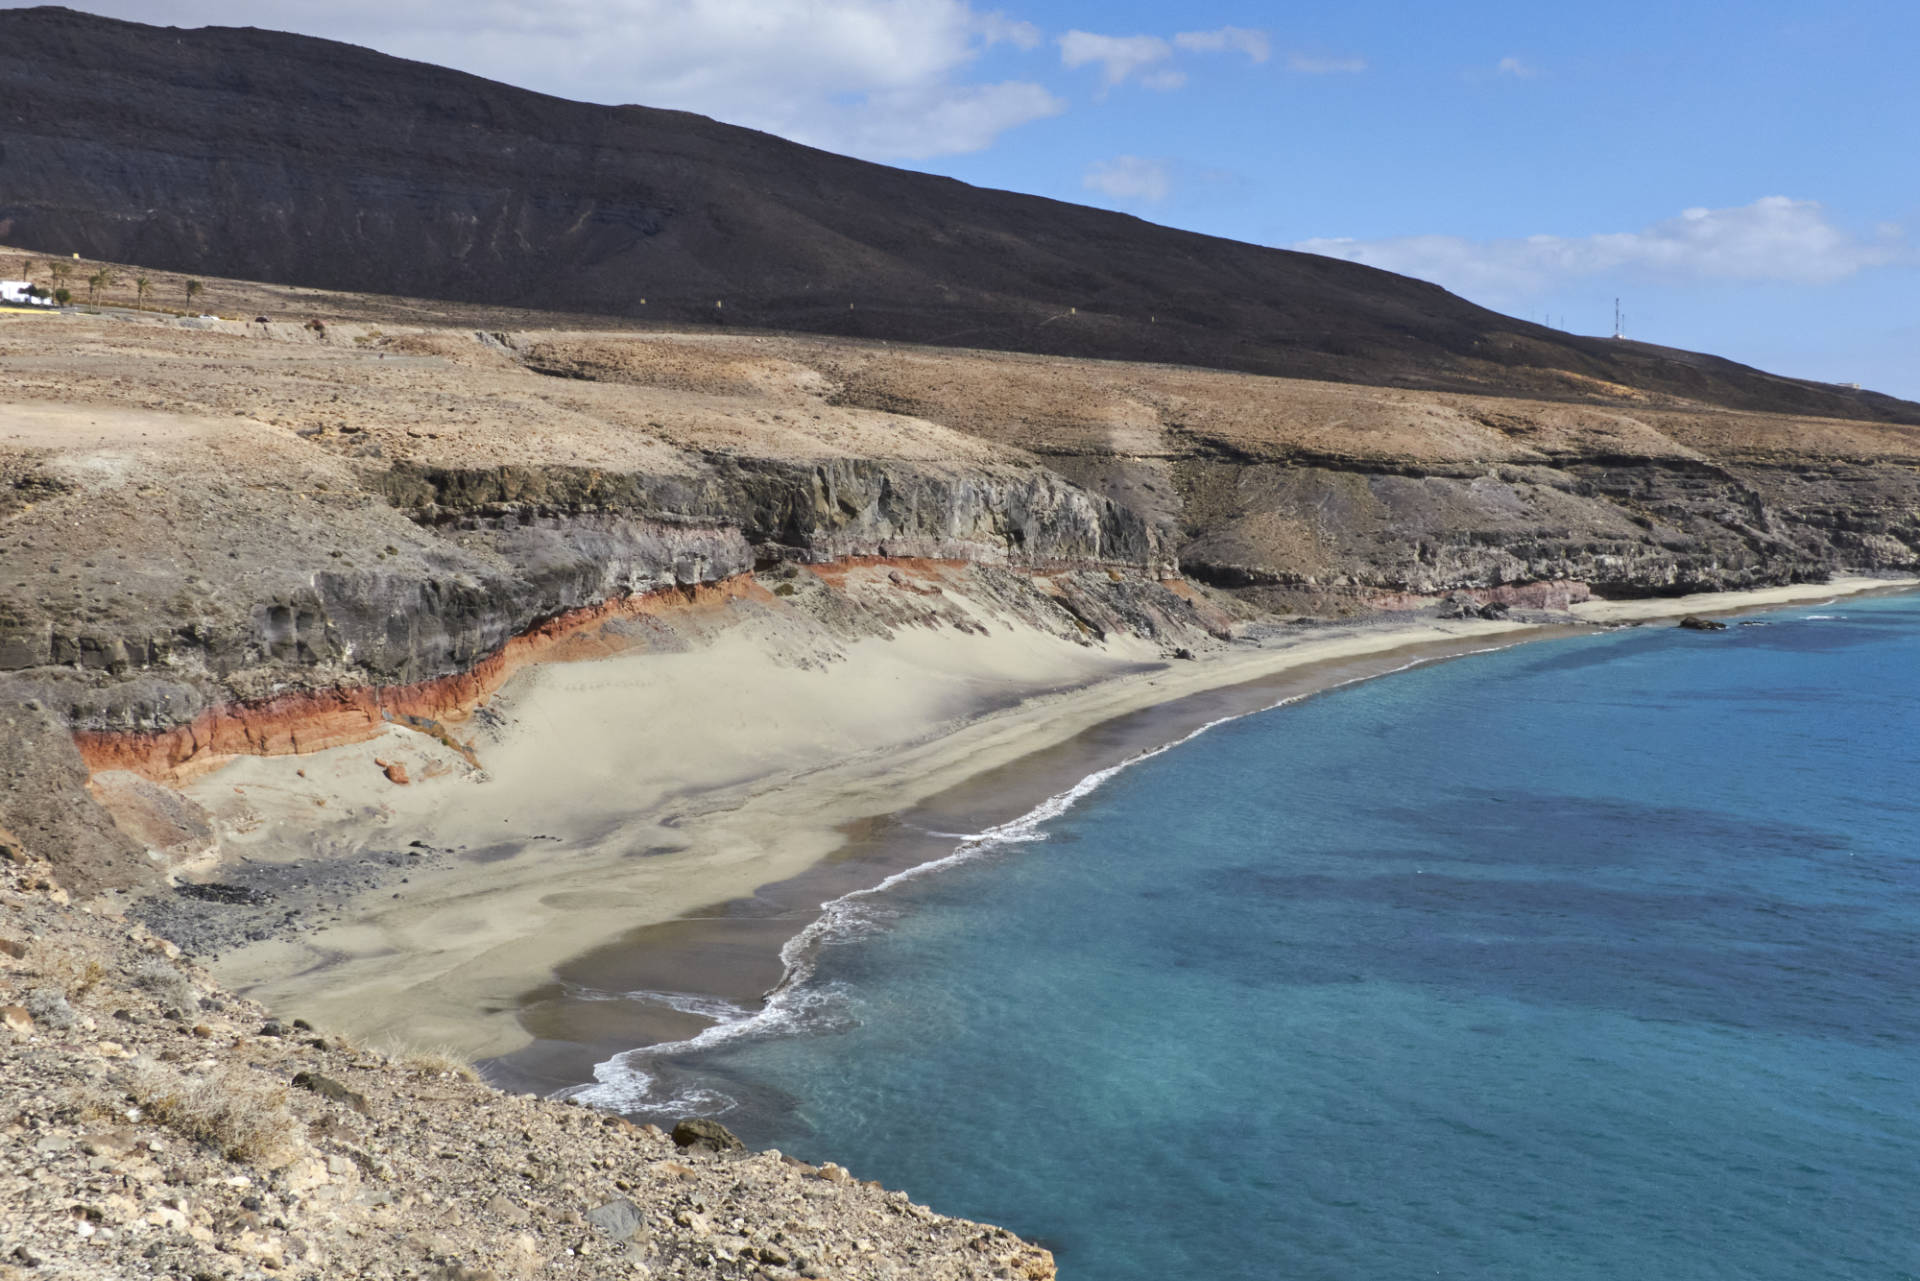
611	803
1585	959
649	691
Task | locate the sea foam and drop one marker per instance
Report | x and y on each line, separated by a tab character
631	1081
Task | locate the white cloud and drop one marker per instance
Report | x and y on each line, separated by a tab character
884	78
1309	66
1120	57
1775	238
1130	179
998	28
1138	58
1227	39
1515	68
947	120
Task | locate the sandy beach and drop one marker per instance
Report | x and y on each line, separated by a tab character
640	789
1624	611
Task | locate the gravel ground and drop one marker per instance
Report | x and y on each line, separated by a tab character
152	1126
253	901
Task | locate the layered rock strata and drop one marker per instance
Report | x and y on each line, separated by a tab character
275	540
509	561
1629	527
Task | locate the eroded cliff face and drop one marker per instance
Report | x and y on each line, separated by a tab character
502	557
1309	496
1624	527
257	538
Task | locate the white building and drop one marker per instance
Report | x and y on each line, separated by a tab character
15	292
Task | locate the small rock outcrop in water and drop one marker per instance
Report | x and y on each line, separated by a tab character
1695	623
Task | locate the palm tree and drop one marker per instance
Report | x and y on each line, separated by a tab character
26	269
108	279
60	272
194	290
141	288
95	283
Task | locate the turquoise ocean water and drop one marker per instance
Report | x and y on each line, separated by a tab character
1588	959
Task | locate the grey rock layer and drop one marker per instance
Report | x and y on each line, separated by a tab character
1625	528
492	552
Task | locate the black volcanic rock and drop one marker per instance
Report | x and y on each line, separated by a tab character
255	154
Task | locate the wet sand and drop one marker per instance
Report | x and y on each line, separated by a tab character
667	822
641	789
731	952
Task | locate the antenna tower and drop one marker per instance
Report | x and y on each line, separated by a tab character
1619	321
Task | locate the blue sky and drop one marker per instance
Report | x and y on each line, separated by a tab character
1745	177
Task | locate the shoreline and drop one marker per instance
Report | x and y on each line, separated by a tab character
460	955
1647	608
743	997
559	847
753	962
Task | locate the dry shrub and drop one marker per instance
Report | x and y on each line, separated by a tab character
431	1060
166	982
241	1113
75	970
49	1009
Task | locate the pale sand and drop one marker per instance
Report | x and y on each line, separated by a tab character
727	770
1623	611
645	787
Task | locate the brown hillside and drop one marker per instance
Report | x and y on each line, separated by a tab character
283	158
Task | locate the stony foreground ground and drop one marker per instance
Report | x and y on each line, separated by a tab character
152	1126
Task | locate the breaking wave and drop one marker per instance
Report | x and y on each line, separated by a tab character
632	1081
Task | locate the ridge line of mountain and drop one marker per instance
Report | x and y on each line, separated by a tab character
263	155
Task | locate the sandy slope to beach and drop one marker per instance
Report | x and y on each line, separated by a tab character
643	787
1623	611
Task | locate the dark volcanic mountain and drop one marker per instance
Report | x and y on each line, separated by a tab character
256	154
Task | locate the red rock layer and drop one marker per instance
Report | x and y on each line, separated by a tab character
834	572
314	720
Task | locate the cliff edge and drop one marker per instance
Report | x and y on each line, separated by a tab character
158	1126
